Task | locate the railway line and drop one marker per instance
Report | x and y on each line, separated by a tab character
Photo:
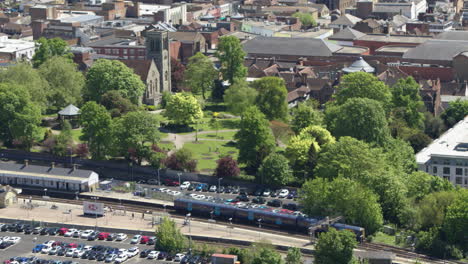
399	252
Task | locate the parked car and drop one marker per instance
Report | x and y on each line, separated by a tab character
266	192
221	189
178	257
46	249
121	258
213	188
292	194
53	231
169	182
153	181
38	248
275	203
85	234
144	253
242	198
70	252
103	235
133	251
135	239
55	250
37	230
44	231
121	237
111	237
93	236
162	255
70	232
283	193
28	230
185	185
153	254
62	231
258	200
110	258
144	239
151	241
290	206
258	192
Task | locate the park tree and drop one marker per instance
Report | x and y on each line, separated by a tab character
97	129
200	74
181	160
294	256
271	99
400	154
348	198
420	184
134	131
275	170
116	104
335	247
431	210
106	75
244	255
254	138
231	56
64	141
456	220
214	124
169	237
48	48
360	118
267	256
434	126
177	73
456	111
183	109
19	116
407	103
307	20
227	167
65	82
363	85
239	96
25	75
305	115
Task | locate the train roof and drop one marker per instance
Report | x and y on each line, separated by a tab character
345	226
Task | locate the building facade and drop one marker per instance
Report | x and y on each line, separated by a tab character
157	49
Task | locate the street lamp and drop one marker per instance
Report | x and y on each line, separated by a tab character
95	198
76	194
159	178
219	185
179	174
45	192
190	232
260	223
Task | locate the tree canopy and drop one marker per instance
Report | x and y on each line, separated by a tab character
169	237
254	138
303	116
307	20
407	102
239	96
335	247
294	256
361	118
97	129
275	170
106	75
456	111
48	48
183	109
200	74
363	85
271	99
65	82
231	55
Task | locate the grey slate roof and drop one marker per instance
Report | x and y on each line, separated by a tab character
442	50
70	110
346	19
358	66
79	173
453	35
290	46
347	34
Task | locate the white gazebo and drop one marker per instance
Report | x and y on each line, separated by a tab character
359	66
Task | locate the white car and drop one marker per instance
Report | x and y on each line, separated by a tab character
14	239
153	254
46	249
164	190
200	197
178	257
79	253
122	251
121	258
174	193
49	243
213	188
54	250
85	234
133	251
153	181
185	185
70	252
136	239
70	232
120	237
111	258
283	193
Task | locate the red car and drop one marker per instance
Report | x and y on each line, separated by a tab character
169	182
144	239
62	231
72	245
103	236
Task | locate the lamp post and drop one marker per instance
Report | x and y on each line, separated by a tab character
179	174
131	168
95	198
219	186
45	192
230	225
190	232
76	195
159	178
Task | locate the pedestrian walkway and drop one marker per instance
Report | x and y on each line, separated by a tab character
180	139
126	197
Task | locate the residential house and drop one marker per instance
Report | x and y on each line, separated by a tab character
343	22
370	26
190	44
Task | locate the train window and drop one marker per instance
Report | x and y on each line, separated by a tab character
250	216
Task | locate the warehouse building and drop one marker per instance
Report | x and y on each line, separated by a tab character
49	177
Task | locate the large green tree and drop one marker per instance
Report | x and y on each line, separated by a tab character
239	96
97	129
275	170
19	116
271	99
363	85
360	118
135	132
335	247
183	109
267	256
455	224
420	184
348	198
294	256
432	208
200	74
24	74
456	111
64	141
307	20
169	237
305	115
106	75
254	138
231	56
48	48
407	102
65	82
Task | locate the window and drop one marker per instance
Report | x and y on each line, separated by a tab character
458	171
466	181
434	169
458	180
466	172
124	51
446	170
37	181
132	51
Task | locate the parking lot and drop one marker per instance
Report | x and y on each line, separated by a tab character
24	248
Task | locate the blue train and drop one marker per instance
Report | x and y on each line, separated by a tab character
252	216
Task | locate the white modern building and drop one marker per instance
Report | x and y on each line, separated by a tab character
407	8
15	49
447	156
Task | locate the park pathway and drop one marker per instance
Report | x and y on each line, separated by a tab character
180	140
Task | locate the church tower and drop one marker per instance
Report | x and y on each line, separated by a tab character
157	49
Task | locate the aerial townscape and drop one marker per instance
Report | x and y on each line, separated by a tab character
234	131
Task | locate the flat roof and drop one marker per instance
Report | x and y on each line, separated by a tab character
351	49
397	49
12	45
80	18
448	144
395	38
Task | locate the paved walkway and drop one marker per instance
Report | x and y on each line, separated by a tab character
179	140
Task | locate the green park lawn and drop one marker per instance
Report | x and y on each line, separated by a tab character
221	135
208	152
383	238
76	133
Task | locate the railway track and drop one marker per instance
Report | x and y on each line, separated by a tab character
399	252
